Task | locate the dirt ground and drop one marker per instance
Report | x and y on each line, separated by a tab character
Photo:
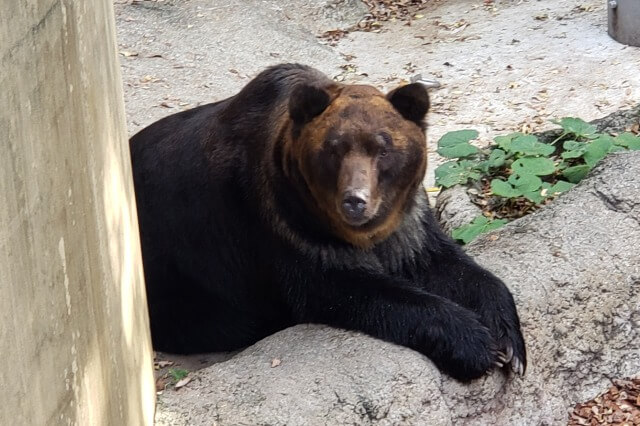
503	66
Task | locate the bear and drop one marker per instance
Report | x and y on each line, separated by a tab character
300	200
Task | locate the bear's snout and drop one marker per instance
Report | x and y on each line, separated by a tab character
353	207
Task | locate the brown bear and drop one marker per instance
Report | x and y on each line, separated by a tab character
299	200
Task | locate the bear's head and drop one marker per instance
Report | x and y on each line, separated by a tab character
361	155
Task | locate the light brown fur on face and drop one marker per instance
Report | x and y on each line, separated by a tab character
341	151
358	177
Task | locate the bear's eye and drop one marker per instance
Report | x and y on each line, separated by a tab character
384	142
335	147
384	139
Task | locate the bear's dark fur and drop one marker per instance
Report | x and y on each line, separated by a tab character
299	200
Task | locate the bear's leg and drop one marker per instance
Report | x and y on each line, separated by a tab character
185	318
447	271
397	311
187	325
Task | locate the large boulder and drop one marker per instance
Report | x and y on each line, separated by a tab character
574	269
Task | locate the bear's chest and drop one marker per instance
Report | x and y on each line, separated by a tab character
394	256
397	255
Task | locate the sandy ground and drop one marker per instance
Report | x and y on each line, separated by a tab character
506	66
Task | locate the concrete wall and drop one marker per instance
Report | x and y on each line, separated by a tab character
74	342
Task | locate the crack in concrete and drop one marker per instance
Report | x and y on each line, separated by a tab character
32	31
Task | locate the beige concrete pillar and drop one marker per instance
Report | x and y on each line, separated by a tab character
74	340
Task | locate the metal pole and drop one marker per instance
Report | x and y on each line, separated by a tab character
624	21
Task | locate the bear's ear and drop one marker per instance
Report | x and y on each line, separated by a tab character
306	102
411	101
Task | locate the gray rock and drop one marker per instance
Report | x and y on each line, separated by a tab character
454	208
574	269
326	376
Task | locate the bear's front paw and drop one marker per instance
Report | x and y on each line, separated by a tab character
505	328
468	350
512	350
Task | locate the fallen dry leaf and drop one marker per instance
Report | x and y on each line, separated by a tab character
379	11
584	8
161	384
334	36
182	382
619	405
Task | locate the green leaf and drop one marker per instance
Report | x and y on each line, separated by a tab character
178	374
529	145
628	140
504	189
604	137
530	186
576	173
558	188
573	149
481	166
525	183
538	166
455	172
576	126
504	142
449	174
458	151
534	196
496	158
456	144
466	233
597	150
479	225
573	145
571	154
470	167
457	137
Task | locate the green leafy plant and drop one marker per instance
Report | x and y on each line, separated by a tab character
177	374
519	173
456	144
480	224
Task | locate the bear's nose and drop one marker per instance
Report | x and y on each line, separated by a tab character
353	207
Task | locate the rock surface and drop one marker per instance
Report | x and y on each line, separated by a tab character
454	208
574	269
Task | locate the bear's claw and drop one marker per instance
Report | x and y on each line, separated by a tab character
517	366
